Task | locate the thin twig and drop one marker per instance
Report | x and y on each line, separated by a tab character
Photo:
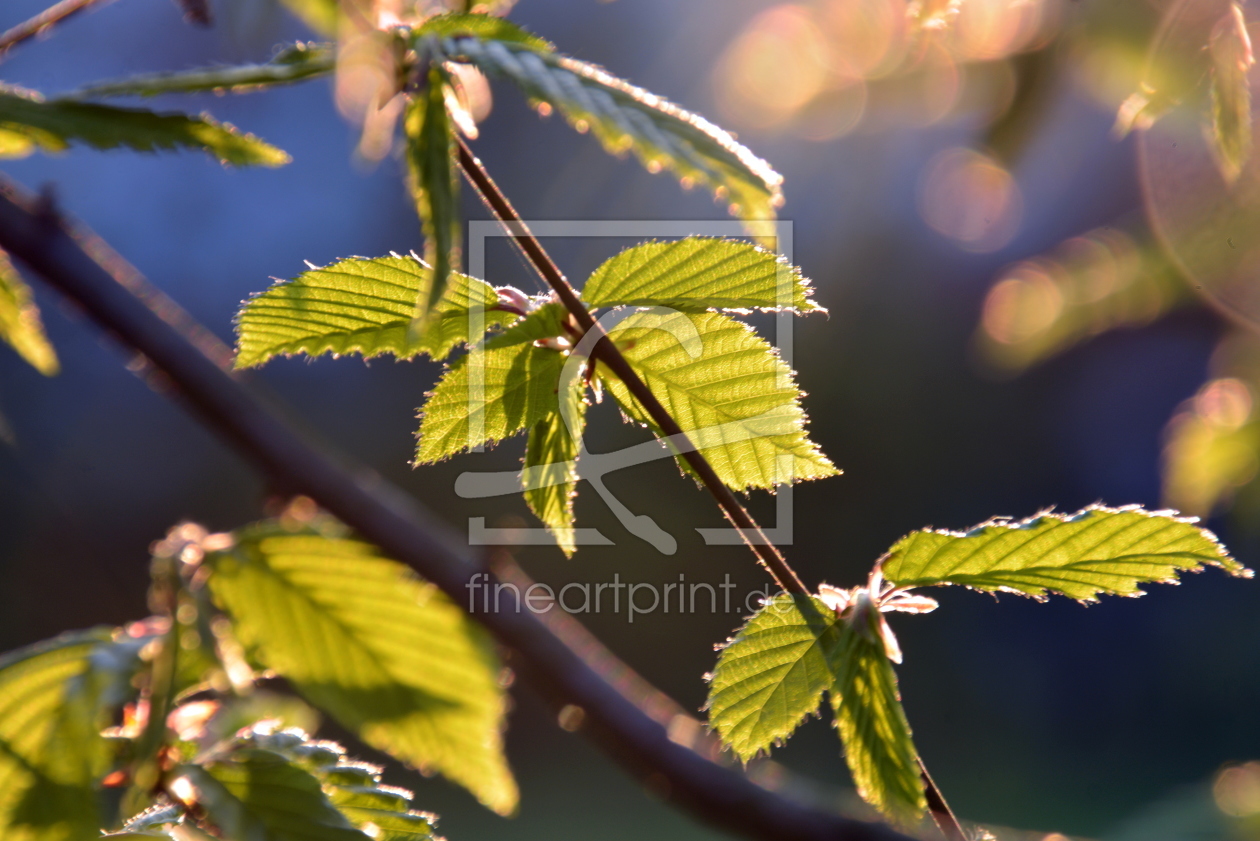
606	352
51	16
409	533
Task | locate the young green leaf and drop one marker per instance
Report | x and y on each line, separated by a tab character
771	675
385	654
434	184
259	794
295	63
1096	550
550	475
494	392
697	274
487	27
1230	49
728	390
54	125
627	118
55	698
20	325
362	306
878	747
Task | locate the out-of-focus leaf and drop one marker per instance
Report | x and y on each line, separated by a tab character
771	675
55	699
20	324
295	63
385	654
54	125
1100	281
248	793
626	118
697	274
483	26
494	392
1096	550
1232	58
361	306
1213	447
435	185
727	389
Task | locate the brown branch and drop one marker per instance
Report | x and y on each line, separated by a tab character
606	352
403	530
50	17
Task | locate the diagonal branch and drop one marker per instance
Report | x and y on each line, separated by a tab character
606	352
402	529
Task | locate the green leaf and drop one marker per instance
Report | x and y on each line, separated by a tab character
728	390
435	184
385	654
157	822
550	476
878	747
55	698
320	15
53	126
20	325
353	787
250	793
1096	550
697	274
771	675
491	394
626	118
1230	49
1102	280
295	63
482	26
361	306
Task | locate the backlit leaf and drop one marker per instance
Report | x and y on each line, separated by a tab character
771	675
1232	58
626	118
20	324
697	274
493	392
434	184
550	474
727	389
487	27
55	698
296	63
877	743
54	125
361	306
384	653
1096	550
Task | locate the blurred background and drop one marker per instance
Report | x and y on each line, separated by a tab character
1036	243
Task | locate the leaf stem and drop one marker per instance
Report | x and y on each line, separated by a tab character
51	16
944	817
606	352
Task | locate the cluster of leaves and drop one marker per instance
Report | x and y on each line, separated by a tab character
773	673
724	385
165	717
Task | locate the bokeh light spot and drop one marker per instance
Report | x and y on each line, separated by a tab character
970	198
